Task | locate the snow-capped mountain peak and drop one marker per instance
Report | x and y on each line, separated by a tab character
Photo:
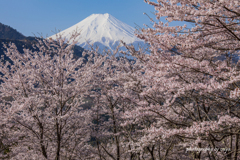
102	30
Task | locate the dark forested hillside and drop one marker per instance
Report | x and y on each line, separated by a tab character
7	32
27	43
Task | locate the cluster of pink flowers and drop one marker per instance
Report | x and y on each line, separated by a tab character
184	93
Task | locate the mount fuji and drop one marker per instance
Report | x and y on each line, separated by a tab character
102	30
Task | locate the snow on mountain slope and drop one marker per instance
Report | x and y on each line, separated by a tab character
102	30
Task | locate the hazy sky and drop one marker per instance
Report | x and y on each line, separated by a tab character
44	16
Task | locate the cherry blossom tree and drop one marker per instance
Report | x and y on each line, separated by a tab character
107	134
41	97
181	101
188	87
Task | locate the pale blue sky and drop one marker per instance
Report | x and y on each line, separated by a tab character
43	16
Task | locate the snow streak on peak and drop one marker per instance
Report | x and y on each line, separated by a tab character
102	30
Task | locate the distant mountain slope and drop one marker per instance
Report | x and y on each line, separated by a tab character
27	43
7	32
102	30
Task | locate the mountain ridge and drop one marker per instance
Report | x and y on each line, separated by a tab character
11	35
7	32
